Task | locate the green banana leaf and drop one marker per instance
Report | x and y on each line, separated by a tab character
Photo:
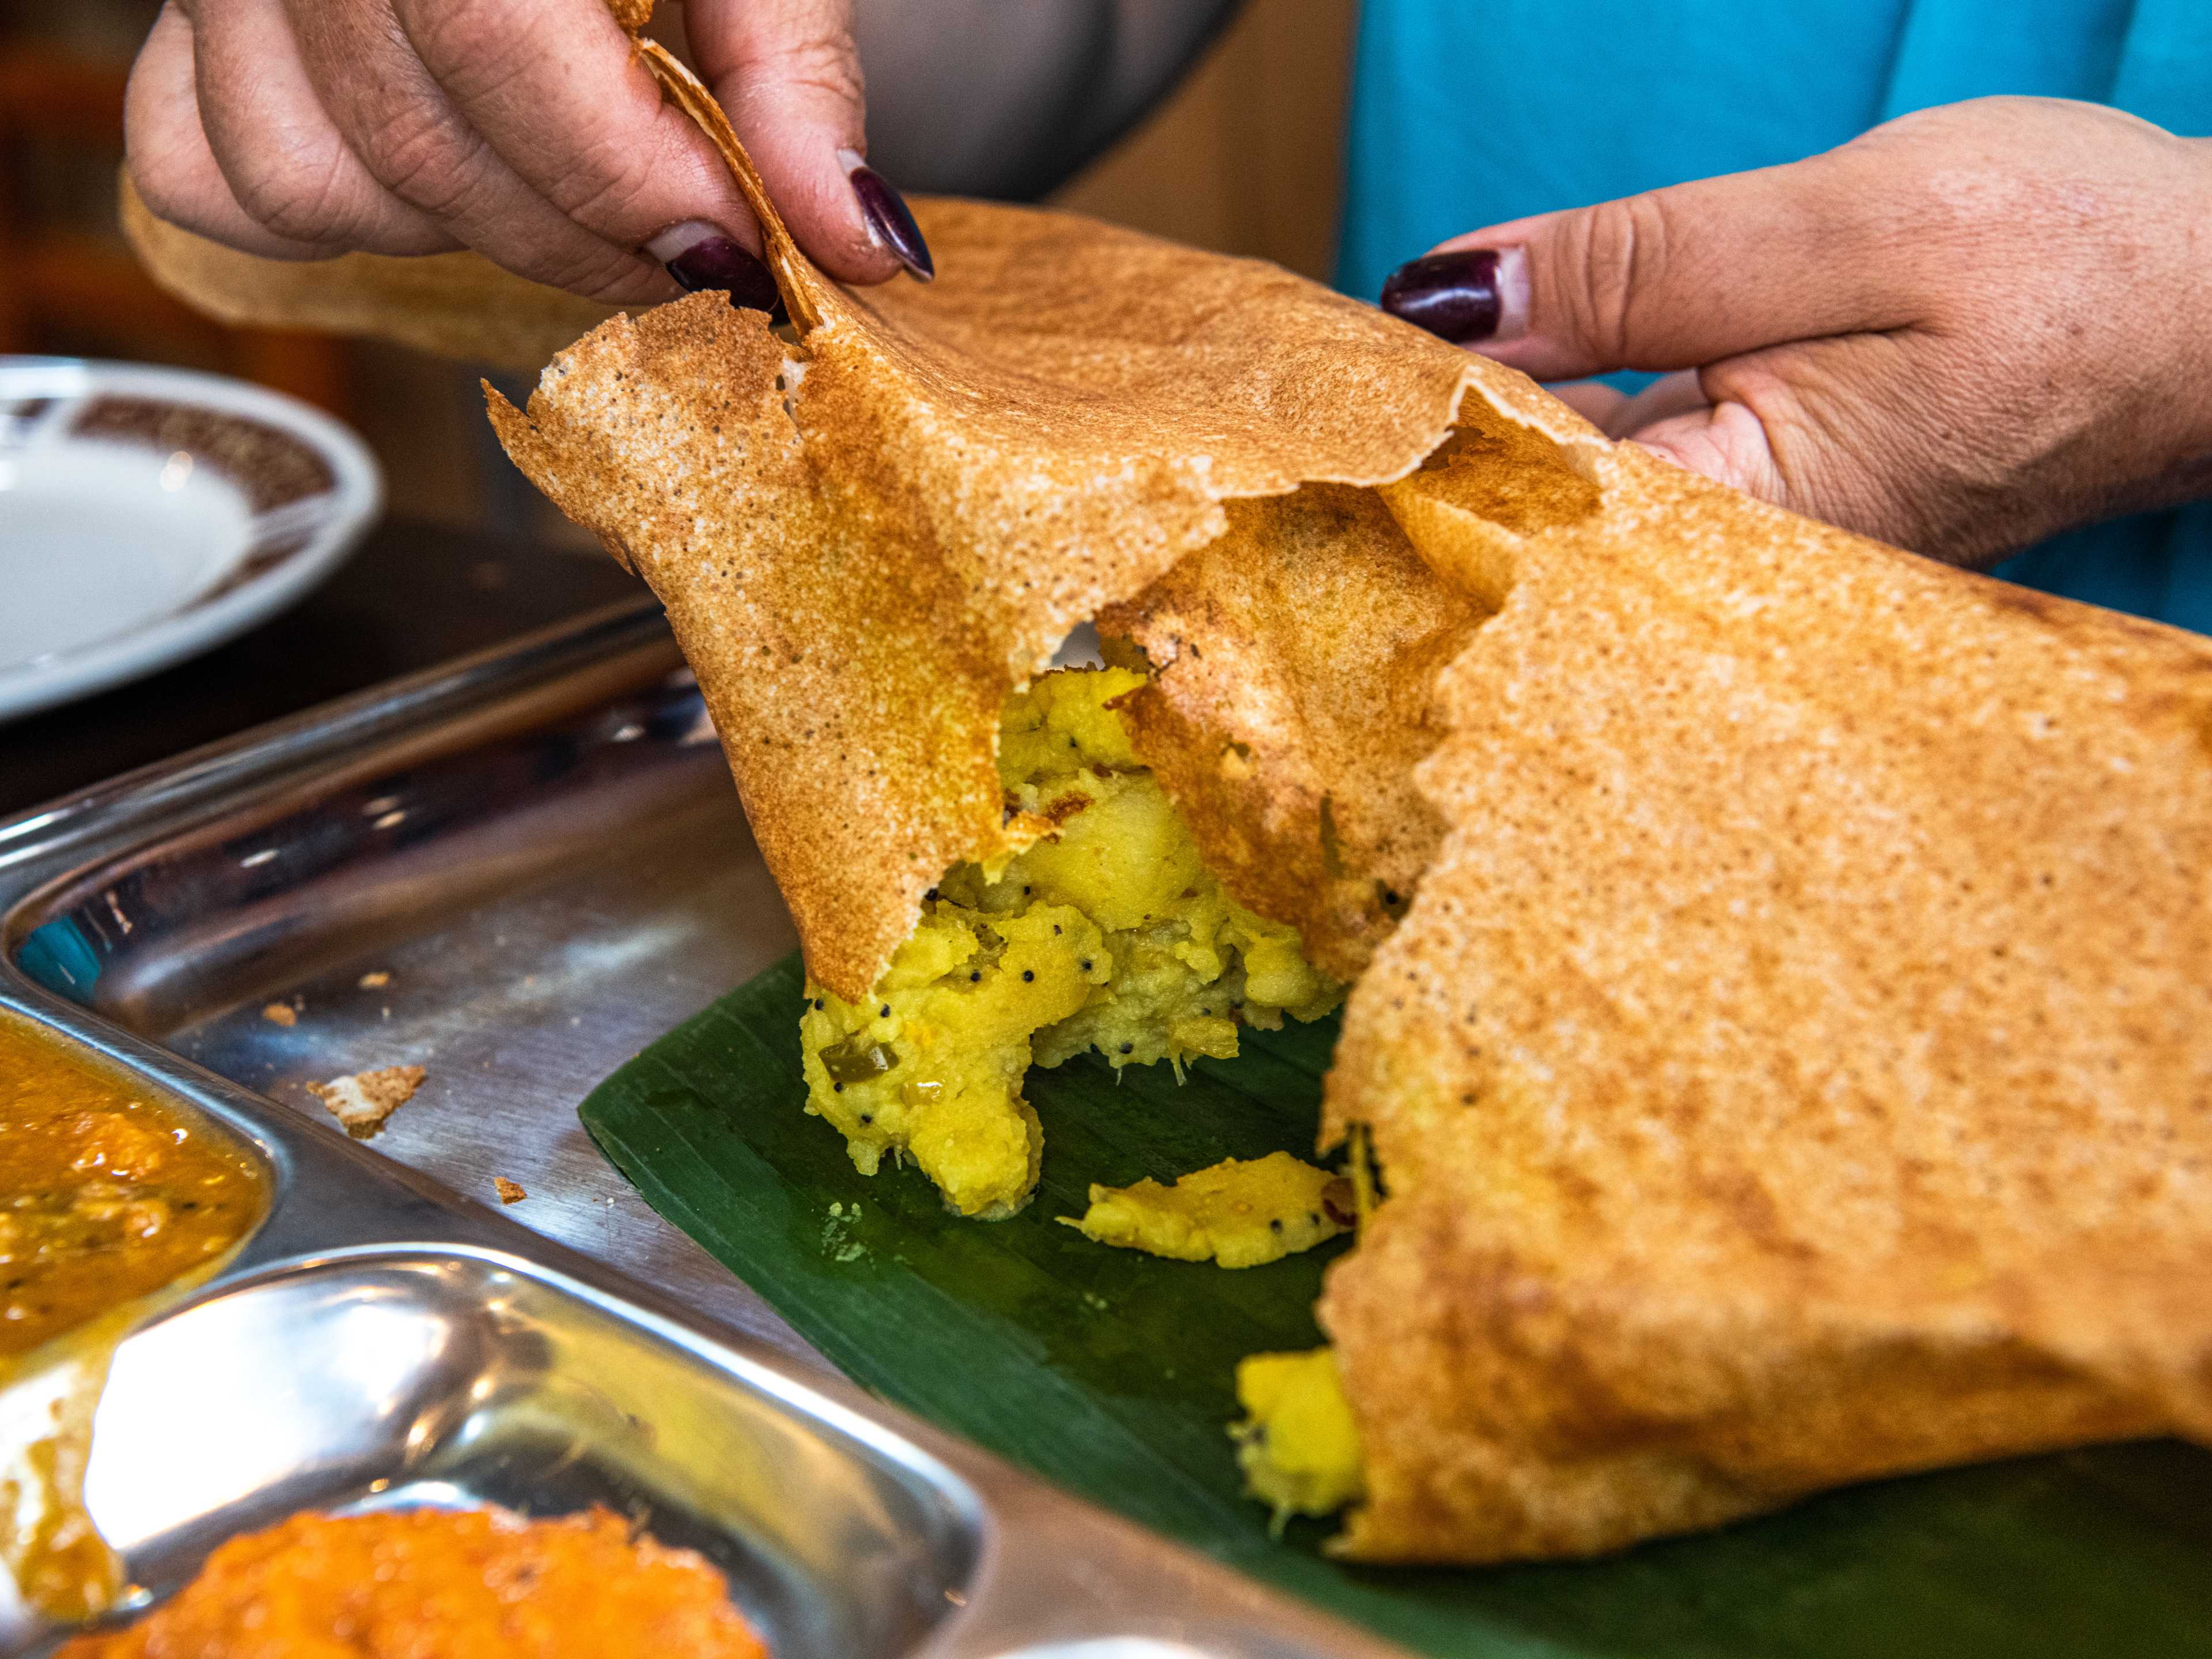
1110	1373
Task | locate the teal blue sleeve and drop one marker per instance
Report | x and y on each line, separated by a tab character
1464	115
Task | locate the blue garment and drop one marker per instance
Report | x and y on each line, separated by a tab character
1464	114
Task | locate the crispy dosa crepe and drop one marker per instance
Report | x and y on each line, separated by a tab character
866	538
1295	662
1798	1064
1073	407
875	534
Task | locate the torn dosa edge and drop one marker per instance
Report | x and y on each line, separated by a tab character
1294	663
866	538
1797	1064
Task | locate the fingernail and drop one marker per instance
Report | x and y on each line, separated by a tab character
889	221
1467	297
702	257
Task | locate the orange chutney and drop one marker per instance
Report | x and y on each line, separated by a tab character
441	1584
106	1196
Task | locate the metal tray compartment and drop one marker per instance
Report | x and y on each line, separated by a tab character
552	869
542	849
388	1376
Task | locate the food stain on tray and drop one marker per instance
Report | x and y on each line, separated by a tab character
107	1196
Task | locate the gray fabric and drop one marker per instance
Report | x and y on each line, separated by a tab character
1009	98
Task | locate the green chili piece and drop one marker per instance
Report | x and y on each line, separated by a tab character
857	1060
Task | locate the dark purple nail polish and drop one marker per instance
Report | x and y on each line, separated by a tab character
893	223
1452	295
719	262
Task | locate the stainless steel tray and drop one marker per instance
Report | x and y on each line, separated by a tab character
542	849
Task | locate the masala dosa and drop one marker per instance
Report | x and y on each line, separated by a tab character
1793	1064
866	538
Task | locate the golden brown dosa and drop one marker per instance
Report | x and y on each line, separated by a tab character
1294	662
866	538
1798	1064
1071	405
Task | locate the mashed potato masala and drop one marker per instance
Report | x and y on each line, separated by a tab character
1103	933
1241	1213
1297	1445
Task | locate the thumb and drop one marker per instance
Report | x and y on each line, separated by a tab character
1680	419
1670	279
1725	441
1846	430
788	75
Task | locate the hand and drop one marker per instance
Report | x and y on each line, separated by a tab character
523	129
1967	330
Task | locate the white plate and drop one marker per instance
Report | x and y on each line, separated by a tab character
147	515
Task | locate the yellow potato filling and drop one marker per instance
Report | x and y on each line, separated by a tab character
1241	1213
1297	1445
1103	933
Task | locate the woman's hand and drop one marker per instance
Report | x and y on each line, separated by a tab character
523	129
1970	329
